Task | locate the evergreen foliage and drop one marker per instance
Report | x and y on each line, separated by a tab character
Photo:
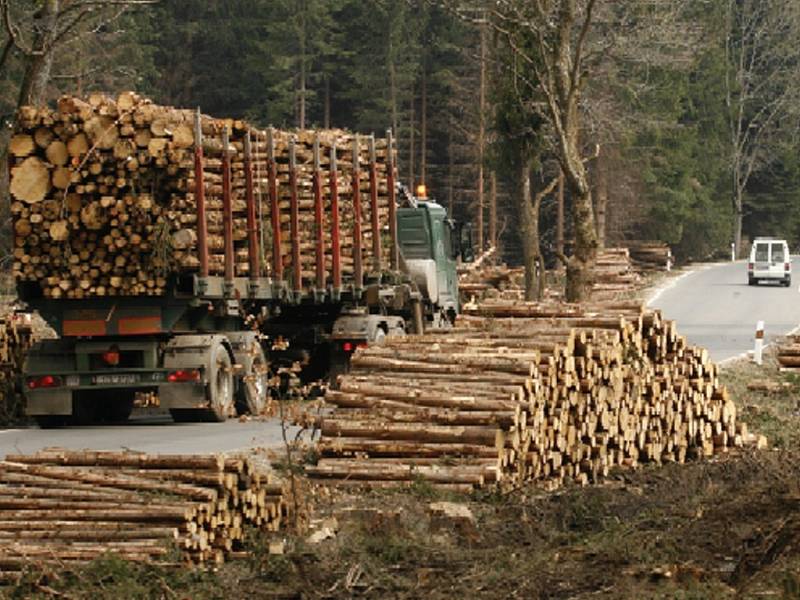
371	65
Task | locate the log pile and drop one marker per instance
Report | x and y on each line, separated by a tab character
492	281
16	338
104	195
650	256
787	353
614	275
65	506
542	392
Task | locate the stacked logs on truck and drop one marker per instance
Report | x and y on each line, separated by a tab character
544	392
787	353
650	256
67	506
104	195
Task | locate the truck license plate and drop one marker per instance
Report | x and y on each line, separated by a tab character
115	379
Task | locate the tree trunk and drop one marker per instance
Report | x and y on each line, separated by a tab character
560	215
327	116
601	202
481	139
423	159
450	177
529	220
37	70
301	121
493	210
412	176
737	226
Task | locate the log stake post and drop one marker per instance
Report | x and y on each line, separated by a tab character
275	209
758	351
373	205
227	211
336	247
252	224
394	260
294	218
319	230
358	268
200	199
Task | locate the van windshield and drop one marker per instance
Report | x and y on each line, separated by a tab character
777	253
762	252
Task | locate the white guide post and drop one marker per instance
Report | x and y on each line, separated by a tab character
733	252
759	347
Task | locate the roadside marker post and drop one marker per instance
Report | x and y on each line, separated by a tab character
759	347
733	252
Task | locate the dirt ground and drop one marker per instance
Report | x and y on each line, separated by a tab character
724	528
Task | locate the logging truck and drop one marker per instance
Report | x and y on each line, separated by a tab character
282	250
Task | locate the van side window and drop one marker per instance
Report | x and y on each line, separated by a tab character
777	253
762	252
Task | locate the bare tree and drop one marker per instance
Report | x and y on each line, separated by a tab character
56	23
762	91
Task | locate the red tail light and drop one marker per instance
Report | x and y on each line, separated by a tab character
184	376
46	381
749	266
786	267
111	358
347	346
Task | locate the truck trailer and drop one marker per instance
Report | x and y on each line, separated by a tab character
232	307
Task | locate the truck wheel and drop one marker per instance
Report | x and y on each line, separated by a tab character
220	386
252	396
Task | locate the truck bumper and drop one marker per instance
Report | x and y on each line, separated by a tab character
58	401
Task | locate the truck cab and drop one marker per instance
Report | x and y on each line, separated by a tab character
430	246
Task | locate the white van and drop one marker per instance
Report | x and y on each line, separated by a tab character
769	261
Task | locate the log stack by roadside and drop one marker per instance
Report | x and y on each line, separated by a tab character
522	391
16	338
614	275
649	256
67	506
787	353
103	195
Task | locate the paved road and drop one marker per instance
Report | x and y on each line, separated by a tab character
148	434
715	308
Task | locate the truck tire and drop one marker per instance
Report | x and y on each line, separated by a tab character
220	386
252	394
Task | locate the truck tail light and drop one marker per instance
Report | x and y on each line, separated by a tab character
111	358
45	381
787	266
184	376
750	266
353	346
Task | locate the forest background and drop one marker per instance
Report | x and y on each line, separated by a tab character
689	119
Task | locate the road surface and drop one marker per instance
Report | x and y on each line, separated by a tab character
716	309
148	434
